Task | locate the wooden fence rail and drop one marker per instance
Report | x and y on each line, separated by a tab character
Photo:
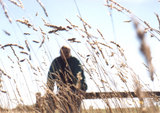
103	95
49	100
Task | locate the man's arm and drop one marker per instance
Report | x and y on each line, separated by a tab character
78	68
51	76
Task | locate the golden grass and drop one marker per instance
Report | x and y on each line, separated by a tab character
30	109
102	58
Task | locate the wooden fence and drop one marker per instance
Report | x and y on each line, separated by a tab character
103	95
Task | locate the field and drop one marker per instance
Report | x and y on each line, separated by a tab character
31	37
91	110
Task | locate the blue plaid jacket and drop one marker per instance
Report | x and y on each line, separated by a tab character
66	72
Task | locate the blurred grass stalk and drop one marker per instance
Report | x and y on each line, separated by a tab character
104	63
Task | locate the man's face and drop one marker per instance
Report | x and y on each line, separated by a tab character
65	53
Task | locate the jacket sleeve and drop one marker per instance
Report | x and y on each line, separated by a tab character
78	68
51	75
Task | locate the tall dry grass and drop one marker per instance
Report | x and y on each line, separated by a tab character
104	63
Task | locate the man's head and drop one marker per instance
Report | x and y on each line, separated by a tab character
65	52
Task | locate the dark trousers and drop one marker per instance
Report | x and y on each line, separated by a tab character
66	101
70	101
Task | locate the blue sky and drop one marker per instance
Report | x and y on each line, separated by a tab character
95	13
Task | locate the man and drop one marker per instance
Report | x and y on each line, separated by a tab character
68	74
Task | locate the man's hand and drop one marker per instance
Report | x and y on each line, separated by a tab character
79	76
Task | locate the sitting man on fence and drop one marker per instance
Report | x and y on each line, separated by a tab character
68	74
